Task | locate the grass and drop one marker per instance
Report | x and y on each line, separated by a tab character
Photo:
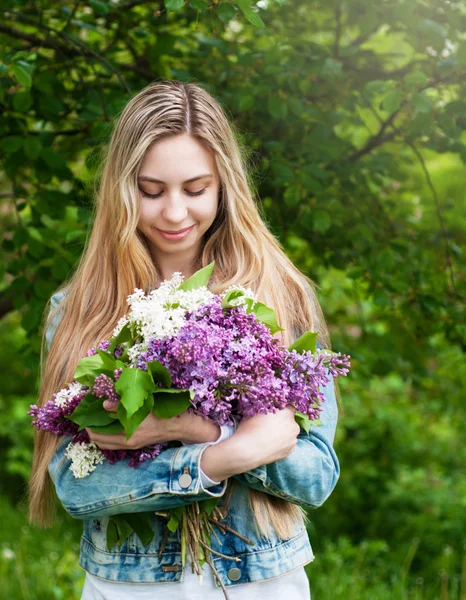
38	564
365	572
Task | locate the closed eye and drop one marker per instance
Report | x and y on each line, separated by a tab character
146	195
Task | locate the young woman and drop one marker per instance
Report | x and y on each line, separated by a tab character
175	195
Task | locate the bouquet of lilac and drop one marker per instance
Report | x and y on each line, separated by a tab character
179	348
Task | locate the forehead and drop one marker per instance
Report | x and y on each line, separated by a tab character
177	158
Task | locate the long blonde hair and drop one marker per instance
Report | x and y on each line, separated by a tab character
117	259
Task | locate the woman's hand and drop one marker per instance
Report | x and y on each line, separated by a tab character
257	441
186	427
268	437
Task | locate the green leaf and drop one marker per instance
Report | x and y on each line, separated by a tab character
377	86
141	525
131	423
225	11
416	78
321	220
307	341
124	529
133	387
246	101
303	421
112	534
89	368
44	289
173	4
229	296
176	516
124	335
22	101
250	15
108	361
60	268
199	279
160	373
392	101
277	107
114	427
208	505
292	196
199	4
22	71
171	402
11	143
36	248
20	237
422	103
201	550
89	412
30	320
266	315
99	7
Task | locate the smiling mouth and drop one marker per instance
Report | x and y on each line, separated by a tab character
175	235
176	232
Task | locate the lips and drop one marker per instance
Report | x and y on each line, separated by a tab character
175	235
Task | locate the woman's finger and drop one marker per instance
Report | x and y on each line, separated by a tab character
110	406
106	438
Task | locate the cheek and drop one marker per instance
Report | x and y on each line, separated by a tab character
207	211
146	213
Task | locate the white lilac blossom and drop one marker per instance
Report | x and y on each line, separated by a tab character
67	394
119	326
84	458
161	312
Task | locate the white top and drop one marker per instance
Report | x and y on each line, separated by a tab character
293	584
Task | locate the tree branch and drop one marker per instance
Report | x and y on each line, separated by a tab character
431	186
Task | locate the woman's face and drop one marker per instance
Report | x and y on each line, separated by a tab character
179	187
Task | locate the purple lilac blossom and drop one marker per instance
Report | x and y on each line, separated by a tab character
51	417
235	367
104	387
103	345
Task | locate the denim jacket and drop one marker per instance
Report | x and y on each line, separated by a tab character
306	477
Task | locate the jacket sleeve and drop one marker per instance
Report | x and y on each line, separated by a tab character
309	474
172	479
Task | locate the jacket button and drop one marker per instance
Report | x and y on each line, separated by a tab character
185	479
234	574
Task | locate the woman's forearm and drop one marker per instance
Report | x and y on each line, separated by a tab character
257	441
223	460
191	429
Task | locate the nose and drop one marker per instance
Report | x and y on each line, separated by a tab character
174	209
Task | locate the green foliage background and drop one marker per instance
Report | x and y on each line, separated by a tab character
354	116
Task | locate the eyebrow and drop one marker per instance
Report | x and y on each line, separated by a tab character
154	180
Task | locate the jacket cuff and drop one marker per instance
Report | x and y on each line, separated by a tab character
185	472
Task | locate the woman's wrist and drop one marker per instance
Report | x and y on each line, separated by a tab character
230	457
189	428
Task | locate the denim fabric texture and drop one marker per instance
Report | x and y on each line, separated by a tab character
306	477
